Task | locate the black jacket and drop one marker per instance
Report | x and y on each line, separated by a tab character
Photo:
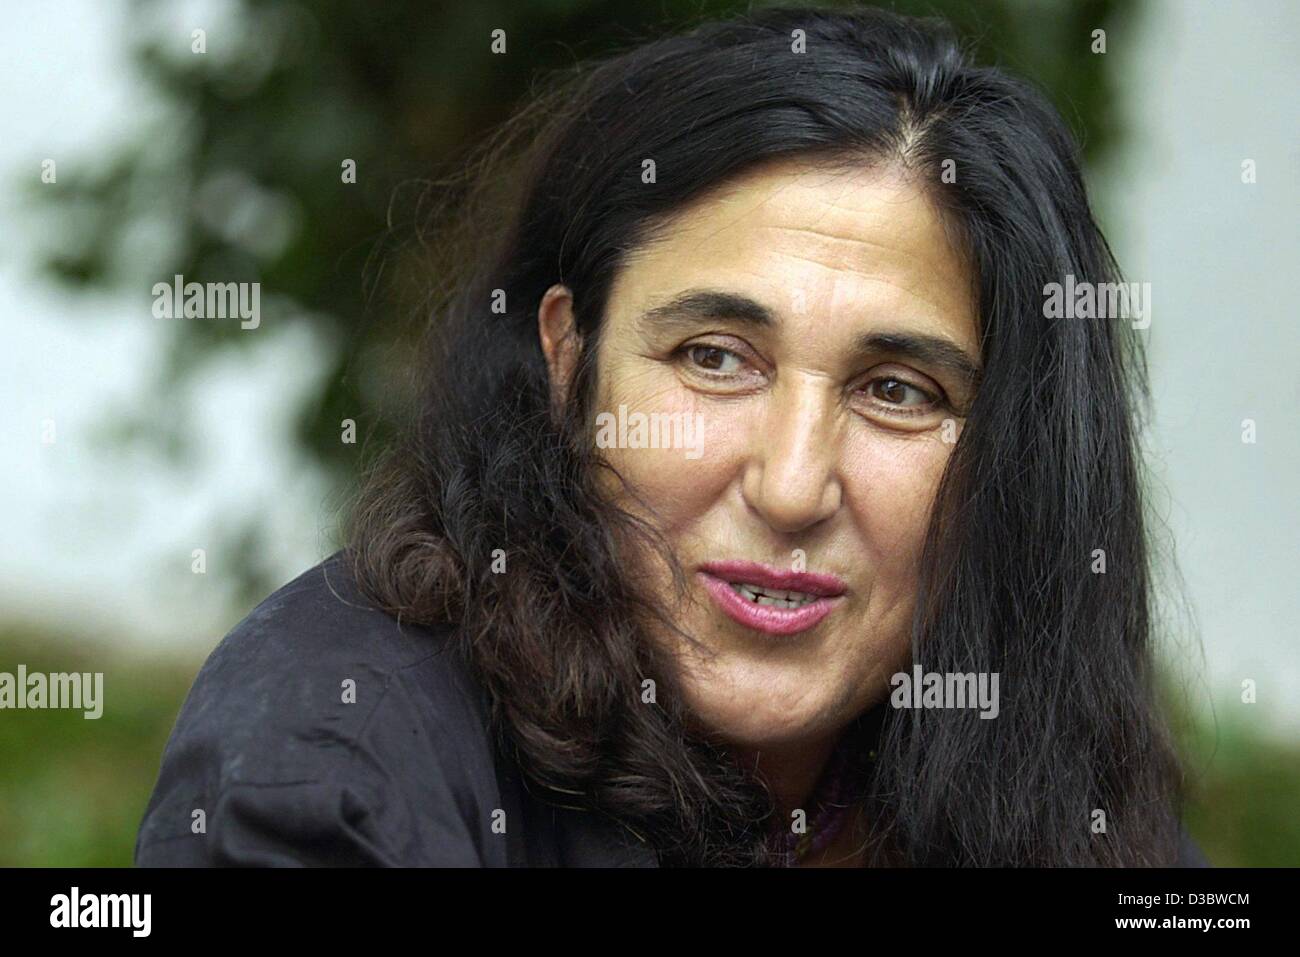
322	732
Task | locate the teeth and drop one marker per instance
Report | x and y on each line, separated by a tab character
772	597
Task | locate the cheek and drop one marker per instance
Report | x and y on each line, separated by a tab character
889	484
664	442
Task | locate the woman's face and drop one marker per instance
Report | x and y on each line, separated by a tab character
816	325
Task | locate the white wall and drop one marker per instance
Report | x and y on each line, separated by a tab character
1206	86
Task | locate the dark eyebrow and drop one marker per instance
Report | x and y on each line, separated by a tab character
700	305
928	350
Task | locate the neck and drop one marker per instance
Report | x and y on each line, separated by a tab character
790	771
848	848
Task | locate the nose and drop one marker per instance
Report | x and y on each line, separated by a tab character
791	478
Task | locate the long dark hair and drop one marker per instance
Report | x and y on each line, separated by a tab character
1045	473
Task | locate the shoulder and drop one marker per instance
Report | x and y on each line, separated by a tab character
317	651
322	730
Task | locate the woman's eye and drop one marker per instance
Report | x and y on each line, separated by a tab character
898	393
715	359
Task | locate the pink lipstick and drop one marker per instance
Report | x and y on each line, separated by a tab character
769	599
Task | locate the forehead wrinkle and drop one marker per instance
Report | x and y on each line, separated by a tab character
695	216
732	192
898	196
838	237
778	176
939	308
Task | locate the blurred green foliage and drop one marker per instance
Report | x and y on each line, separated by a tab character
73	789
1243	803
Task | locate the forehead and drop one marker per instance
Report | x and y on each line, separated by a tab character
861	241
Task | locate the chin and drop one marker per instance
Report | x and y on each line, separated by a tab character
758	720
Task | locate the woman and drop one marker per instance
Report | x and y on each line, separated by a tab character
754	507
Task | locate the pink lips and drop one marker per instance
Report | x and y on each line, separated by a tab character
718	576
